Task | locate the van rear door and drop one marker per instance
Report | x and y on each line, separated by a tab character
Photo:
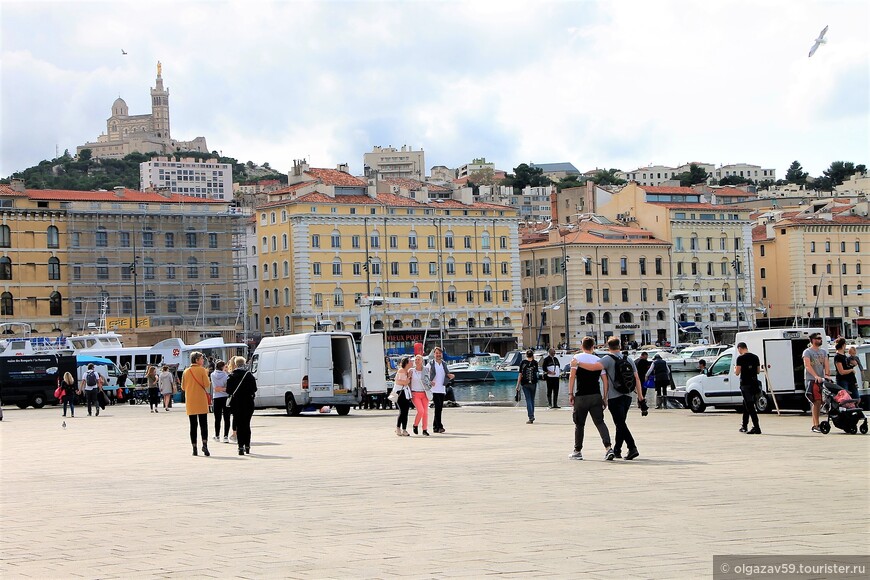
780	365
373	368
320	365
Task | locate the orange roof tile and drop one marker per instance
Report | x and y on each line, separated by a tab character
293	187
336	177
733	191
130	195
586	235
759	233
687	205
665	189
8	191
413	184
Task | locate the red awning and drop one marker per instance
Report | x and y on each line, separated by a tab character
862	321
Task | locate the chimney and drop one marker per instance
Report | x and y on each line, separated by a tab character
17	184
343	167
119	190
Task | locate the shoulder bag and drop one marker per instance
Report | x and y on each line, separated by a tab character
239	386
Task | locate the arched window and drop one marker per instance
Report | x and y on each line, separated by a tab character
712	317
435	323
5	268
626	317
335	239
275	297
55	304
274	243
448	240
683	317
379	325
192	301
375	239
660	315
484	241
606	318
53	269
471	322
487	293
451	294
286	297
53	239
5	237
150	302
397	323
416	323
338	297
287	323
488	321
590	318
253	271
487	267
336	267
644	316
274	270
284	241
415	292
338	325
6	304
506	321
451	323
451	266
192	268
697	317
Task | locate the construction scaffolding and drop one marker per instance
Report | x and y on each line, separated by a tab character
174	264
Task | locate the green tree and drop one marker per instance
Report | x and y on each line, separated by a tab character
85	154
836	174
524	175
693	176
485	176
735	180
571	181
796	174
607	177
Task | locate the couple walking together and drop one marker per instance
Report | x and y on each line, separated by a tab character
413	382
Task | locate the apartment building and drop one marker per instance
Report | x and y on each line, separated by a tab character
616	282
655	175
187	176
475	166
711	253
811	263
392	162
533	204
451	266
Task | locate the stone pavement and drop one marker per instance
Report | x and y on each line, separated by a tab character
120	496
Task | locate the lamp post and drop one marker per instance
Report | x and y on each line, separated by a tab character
596	263
565	259
736	265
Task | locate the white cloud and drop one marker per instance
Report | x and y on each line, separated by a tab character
616	84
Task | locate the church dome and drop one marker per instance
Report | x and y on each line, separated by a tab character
119	107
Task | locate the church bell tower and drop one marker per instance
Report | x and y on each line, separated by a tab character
160	107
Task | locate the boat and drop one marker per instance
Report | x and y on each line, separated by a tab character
687	360
481	368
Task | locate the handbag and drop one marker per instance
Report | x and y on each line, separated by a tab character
394	395
230	398
58	393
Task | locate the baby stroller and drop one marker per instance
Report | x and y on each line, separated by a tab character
842	410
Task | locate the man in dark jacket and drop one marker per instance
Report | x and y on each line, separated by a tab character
662	375
551	369
643	364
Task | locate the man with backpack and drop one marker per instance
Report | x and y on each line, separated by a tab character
92	384
621	379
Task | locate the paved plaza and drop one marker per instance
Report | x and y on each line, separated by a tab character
323	496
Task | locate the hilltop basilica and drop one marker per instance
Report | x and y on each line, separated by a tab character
127	133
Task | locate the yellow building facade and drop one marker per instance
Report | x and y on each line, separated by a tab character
451	267
616	284
711	254
33	282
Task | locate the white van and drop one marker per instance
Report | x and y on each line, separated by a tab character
313	370
779	350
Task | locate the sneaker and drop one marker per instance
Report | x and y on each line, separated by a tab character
816	429
609	455
743	429
754	431
631	455
530	421
617	453
216	438
226	439
233	439
576	455
416	431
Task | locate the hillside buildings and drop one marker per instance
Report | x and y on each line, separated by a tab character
126	133
392	162
653	175
207	179
329	238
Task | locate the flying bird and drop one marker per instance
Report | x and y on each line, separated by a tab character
123	52
819	41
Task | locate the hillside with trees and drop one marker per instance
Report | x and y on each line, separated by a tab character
84	173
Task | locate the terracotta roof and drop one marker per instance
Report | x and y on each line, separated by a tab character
732	191
413	184
385	199
336	177
8	191
129	195
759	233
686	205
837	219
585	234
291	188
664	189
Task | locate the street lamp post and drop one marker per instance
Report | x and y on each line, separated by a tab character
135	285
565	259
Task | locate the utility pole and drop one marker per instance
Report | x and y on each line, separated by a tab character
135	285
565	281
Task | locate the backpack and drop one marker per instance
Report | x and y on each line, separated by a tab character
91	379
624	375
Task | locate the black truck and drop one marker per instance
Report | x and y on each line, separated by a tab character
32	379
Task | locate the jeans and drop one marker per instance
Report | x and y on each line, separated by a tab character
619	407
242	418
91	396
221	411
203	427
592	405
71	400
404	406
749	393
529	396
553	391
421	403
438	399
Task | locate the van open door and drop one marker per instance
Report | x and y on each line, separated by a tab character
372	364
320	365
779	365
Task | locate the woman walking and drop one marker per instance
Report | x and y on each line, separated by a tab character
68	386
242	387
221	411
419	396
402	382
153	389
528	380
194	383
166	384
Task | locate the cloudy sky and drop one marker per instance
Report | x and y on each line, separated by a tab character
600	84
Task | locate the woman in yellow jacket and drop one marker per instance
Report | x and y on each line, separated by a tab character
195	384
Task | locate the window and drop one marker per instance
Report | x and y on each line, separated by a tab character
354	242
623	266
502	242
843	268
412	241
357	269
484	241
274	243
813	268
315	240
149	268
190	238
53	239
658	266
643	294
150	302
148	238
335	239
505	296
828	247
214	271
812	246
169	240
102	268
679	268
102	238
375	240
487	294
55	304
451	295
272	217
286	265
625	294
642	264
857	246
448	240
660	294
589	295
604	267
606	318
318	299
172	303
710	268
284	242
469	296
469	268
694	268
678	244
170	272
212	240
761	250
430	242
53	269
6	237
467	242
6	308
605	295
487	267
77	272
193	268
193	301
376	267
858	268
504	268
693	243
433	268
394	242
394	268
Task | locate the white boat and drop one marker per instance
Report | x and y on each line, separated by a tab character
687	360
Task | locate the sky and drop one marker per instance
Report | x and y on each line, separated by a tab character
611	83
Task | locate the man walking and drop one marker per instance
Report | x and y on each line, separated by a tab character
815	371
438	377
622	379
746	367
642	365
586	369
550	364
92	383
661	373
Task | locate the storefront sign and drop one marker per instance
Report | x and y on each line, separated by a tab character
627	326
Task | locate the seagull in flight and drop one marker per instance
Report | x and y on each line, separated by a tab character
819	41
123	52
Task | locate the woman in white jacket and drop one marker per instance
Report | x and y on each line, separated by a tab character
166	384
219	400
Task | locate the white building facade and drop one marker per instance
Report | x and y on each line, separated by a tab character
208	179
391	162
